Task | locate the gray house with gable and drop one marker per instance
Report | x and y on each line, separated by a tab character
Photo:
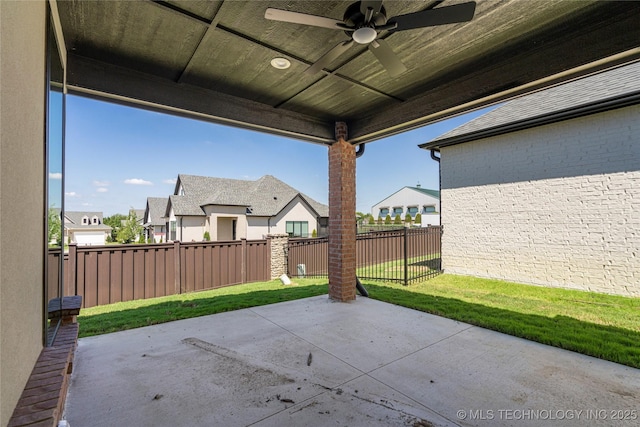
232	209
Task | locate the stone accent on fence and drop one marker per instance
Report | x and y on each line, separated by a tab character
278	244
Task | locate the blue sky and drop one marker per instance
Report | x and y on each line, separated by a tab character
117	156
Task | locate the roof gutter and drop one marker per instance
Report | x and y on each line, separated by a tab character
554	117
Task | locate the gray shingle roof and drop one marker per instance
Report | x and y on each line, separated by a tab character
156	207
265	197
73	219
608	85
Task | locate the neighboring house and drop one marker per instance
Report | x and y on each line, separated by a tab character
412	201
546	188
85	228
155	223
231	209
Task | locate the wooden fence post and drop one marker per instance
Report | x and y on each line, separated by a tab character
178	273
243	266
269	257
72	266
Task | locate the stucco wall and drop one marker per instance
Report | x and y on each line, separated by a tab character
257	227
190	228
220	222
22	80
296	210
557	205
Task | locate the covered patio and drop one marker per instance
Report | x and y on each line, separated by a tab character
308	78
314	362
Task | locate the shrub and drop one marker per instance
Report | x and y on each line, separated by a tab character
371	220
207	236
407	218
418	219
387	219
397	220
314	233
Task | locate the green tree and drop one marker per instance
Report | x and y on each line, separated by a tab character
130	230
115	222
397	220
371	220
387	219
418	219
206	236
55	227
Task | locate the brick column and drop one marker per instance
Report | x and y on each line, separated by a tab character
342	217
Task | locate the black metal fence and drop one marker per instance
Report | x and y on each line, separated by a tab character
402	255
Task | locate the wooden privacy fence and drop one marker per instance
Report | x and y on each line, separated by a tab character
402	255
114	273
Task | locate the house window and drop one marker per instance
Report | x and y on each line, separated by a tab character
172	230
412	210
397	210
95	219
85	220
298	228
428	209
384	212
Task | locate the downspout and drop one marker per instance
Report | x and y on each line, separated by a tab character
437	159
361	289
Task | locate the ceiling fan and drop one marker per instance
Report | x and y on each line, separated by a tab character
364	20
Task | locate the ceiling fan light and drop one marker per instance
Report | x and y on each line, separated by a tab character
364	35
280	63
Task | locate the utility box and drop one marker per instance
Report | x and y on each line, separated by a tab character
302	270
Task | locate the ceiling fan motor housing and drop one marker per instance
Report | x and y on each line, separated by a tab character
353	18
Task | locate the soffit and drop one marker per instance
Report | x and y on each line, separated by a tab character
211	60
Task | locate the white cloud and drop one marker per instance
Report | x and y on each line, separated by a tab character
102	190
55	175
72	194
137	181
101	183
171	181
87	204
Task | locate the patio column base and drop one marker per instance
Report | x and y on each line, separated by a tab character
342	214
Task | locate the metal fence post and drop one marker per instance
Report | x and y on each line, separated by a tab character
406	261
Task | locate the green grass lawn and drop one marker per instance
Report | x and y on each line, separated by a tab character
134	314
604	326
394	270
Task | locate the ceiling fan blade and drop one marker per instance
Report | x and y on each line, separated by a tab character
329	57
301	18
387	57
369	8
462	12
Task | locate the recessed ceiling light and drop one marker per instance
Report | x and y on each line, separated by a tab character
280	63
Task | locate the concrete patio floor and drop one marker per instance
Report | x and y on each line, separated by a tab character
314	362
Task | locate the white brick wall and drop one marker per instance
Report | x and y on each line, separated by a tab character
557	205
